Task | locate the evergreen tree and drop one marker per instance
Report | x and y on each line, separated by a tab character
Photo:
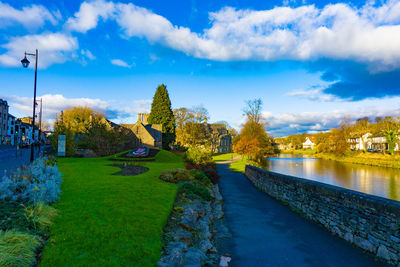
161	113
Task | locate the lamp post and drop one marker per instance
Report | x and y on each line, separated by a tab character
25	63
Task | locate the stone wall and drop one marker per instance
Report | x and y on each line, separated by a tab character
369	222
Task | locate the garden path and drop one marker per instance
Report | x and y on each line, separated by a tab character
267	233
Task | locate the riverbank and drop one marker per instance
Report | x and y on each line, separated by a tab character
367	158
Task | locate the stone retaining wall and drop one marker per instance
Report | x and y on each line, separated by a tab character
369	222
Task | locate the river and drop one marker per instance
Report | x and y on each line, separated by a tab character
379	181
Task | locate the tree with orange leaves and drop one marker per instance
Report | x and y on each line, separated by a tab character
253	140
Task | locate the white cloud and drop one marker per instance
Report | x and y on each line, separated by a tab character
283	124
153	58
88	15
53	48
132	108
315	94
370	34
121	63
142	106
86	53
32	16
54	104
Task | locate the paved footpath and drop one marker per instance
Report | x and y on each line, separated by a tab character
267	233
10	160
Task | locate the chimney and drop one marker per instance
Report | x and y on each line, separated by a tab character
142	117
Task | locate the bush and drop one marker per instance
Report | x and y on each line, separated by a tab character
201	178
40	216
18	249
12	216
212	174
195	155
39	182
192	191
176	176
210	170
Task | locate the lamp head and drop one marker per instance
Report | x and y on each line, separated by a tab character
25	62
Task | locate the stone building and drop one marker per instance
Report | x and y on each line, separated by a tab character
128	138
220	137
149	135
3	119
11	137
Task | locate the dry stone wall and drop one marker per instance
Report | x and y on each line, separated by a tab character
369	222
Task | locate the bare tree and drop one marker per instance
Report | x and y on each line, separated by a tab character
253	111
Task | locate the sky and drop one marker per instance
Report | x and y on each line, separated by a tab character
312	63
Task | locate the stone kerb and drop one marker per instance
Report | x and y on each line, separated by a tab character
369	222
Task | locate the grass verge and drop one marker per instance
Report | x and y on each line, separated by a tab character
357	157
224	157
110	220
237	166
371	159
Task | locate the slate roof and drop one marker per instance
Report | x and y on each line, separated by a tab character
157	135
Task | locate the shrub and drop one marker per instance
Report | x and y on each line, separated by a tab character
18	249
201	178
40	216
12	216
195	155
39	182
212	174
192	191
176	176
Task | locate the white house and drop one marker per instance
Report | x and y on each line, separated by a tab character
368	141
309	143
360	143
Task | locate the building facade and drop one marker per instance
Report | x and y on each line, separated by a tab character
309	143
3	119
10	137
221	139
149	135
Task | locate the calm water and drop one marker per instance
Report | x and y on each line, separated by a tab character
384	182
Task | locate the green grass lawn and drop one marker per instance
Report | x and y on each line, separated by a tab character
109	220
224	157
237	166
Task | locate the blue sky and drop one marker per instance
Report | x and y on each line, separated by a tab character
311	62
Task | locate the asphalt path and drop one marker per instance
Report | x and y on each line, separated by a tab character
11	158
267	233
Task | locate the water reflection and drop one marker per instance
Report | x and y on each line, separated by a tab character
378	181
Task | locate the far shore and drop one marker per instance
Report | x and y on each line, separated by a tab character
358	157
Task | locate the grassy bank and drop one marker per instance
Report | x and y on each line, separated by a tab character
299	152
367	158
224	157
237	166
110	220
371	159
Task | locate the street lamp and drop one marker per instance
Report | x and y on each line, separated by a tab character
25	63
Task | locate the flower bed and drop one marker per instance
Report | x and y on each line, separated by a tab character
25	216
